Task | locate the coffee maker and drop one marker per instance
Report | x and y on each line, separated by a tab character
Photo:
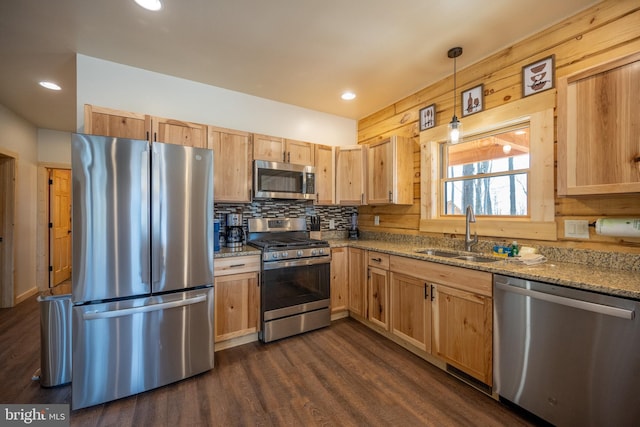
235	232
354	233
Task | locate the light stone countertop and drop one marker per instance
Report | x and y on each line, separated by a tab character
597	279
234	252
580	276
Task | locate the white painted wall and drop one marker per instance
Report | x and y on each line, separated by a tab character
122	87
54	147
18	138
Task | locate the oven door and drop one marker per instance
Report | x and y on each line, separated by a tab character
295	297
292	287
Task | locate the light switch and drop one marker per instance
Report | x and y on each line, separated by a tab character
376	220
578	229
332	224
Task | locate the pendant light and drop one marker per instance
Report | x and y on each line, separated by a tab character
455	126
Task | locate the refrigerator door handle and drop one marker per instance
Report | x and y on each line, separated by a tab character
93	315
157	251
144	220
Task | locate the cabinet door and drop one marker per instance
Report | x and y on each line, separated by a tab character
390	171
299	152
339	280
119	124
378	295
598	122
232	156
380	173
411	310
350	173
325	175
269	148
237	305
462	331
357	282
179	132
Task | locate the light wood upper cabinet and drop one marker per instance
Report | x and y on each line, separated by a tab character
598	122
390	171
299	152
357	282
267	147
339	280
123	124
350	174
325	175
233	172
178	132
116	123
277	149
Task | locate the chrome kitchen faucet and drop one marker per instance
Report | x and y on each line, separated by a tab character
469	243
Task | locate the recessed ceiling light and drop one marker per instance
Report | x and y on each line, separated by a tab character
348	96
50	85
150	4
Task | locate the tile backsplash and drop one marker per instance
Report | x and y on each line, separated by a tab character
289	209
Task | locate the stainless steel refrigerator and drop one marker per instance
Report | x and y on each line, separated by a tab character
142	278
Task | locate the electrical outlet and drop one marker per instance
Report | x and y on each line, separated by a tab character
577	229
332	224
376	220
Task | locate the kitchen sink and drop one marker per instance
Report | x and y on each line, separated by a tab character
478	258
458	255
439	252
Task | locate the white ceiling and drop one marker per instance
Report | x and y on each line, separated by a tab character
301	52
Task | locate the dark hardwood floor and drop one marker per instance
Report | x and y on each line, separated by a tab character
343	375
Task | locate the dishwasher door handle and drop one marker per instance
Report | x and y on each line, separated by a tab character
570	302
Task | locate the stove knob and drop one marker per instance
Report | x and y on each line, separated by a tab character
314	252
321	251
274	255
285	254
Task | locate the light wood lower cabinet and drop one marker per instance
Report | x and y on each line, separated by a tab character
463	330
357	282
378	289
237	297
411	310
446	311
339	280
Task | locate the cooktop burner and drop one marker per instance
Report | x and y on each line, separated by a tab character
285	239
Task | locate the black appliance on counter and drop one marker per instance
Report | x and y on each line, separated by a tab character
295	279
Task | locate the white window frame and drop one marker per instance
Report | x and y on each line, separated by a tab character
538	111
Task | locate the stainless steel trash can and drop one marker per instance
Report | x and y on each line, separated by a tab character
55	337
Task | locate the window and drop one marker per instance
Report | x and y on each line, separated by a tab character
489	172
483	172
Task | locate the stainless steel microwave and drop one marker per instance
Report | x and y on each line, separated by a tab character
276	180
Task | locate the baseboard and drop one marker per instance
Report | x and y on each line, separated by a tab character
233	342
26	295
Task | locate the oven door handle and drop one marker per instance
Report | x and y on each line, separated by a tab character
298	262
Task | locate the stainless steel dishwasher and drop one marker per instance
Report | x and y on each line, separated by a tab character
569	356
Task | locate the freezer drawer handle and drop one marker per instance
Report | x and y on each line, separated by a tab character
570	302
91	315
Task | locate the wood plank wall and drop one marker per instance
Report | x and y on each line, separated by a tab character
605	31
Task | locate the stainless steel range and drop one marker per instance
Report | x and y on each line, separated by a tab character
295	279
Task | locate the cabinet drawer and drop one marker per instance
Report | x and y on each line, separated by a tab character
479	282
377	259
236	265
